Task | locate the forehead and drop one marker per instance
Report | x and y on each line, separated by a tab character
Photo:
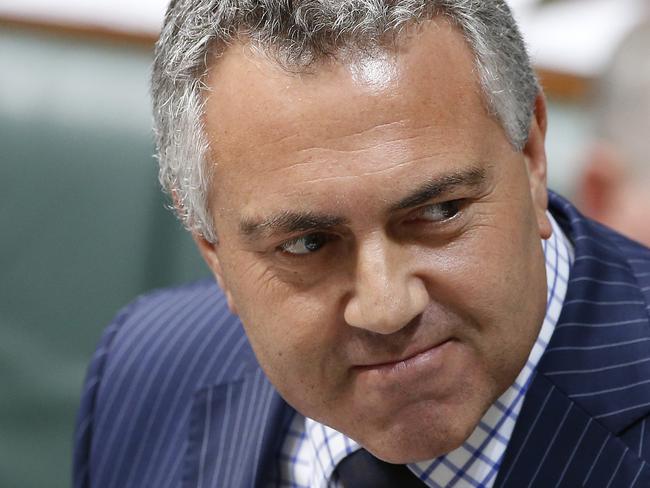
249	91
358	115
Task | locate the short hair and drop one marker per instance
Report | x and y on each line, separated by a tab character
300	33
622	100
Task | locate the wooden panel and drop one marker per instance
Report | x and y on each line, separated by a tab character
565	86
81	31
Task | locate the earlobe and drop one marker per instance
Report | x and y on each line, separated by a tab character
544	225
209	253
535	157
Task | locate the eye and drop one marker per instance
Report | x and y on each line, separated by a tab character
440	212
302	245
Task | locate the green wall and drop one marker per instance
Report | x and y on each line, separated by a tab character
83	230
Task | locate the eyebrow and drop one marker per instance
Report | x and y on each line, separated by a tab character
289	222
473	177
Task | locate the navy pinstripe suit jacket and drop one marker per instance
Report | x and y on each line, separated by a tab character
175	398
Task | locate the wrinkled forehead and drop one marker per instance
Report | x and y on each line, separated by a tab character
430	71
364	114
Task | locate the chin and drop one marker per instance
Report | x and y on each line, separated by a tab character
421	444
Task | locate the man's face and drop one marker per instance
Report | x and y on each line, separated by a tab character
379	238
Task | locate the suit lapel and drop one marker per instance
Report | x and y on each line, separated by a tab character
235	433
592	382
557	444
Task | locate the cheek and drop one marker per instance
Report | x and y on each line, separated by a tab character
294	335
512	297
489	264
494	278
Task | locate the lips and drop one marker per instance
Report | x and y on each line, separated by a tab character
406	360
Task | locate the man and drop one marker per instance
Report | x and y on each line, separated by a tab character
613	183
366	180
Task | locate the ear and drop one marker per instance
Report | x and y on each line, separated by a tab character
599	182
210	254
535	157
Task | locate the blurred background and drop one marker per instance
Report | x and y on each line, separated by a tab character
83	225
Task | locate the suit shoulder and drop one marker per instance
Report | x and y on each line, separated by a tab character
185	329
602	244
141	384
635	254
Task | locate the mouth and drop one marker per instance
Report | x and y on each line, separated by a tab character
426	356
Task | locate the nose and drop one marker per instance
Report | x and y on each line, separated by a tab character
387	294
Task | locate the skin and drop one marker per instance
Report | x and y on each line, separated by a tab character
614	192
341	267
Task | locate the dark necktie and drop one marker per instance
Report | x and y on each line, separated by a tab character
362	470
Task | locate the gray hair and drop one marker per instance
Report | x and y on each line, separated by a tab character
623	101
299	33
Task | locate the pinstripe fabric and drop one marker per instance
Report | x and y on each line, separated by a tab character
167	352
586	409
175	398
